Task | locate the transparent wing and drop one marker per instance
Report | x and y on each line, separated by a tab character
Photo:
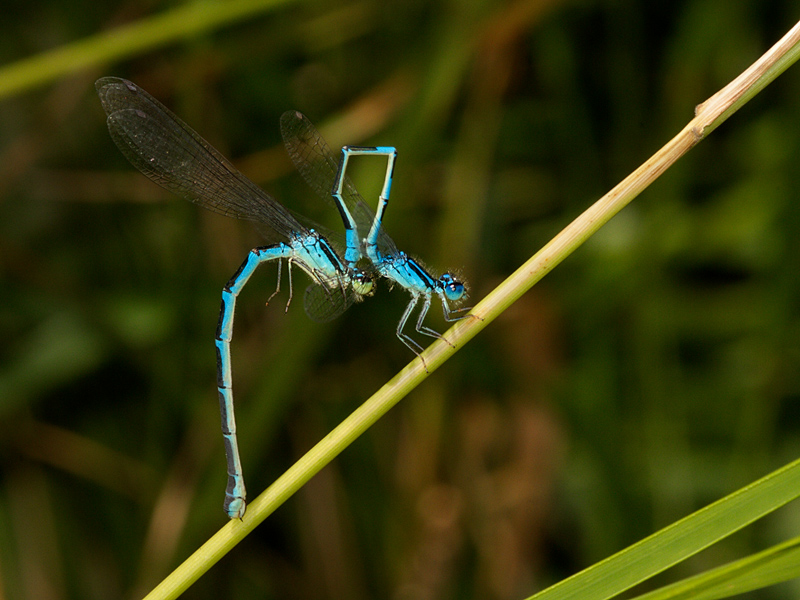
175	157
323	304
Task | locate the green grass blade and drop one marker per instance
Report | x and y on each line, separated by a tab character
182	22
774	565
680	540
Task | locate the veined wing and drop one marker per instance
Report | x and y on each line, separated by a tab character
324	303
174	156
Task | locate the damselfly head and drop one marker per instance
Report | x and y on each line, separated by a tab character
363	284
453	289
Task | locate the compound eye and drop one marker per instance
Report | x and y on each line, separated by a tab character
453	289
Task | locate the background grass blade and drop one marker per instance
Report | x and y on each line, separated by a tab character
680	540
187	20
772	566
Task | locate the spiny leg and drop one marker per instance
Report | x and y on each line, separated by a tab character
291	286
410	343
451	314
427	330
278	287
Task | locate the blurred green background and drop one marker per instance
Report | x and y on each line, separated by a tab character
651	373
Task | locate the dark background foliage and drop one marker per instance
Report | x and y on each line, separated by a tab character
651	373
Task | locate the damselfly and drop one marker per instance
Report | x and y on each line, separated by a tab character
174	156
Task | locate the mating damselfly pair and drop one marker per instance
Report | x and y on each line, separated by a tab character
174	156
